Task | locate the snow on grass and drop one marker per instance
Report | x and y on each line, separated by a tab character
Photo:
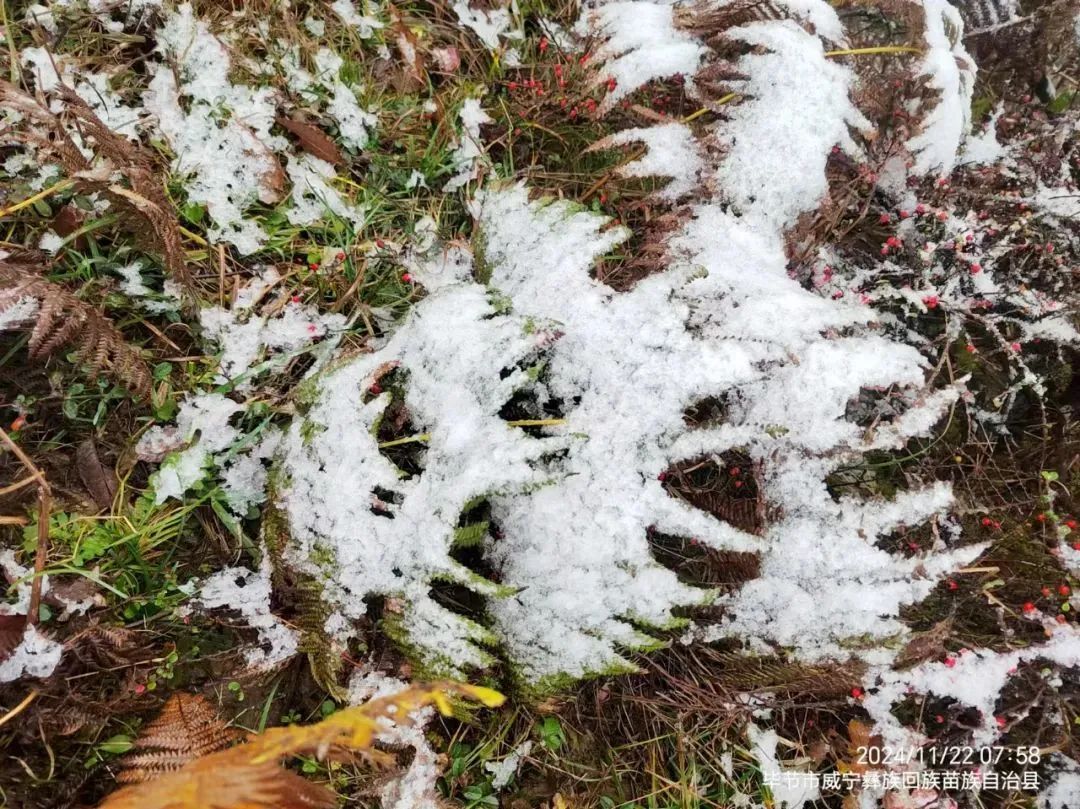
35	656
313	196
974	677
468	155
489	24
134	286
364	23
503	772
18	310
325	91
219	132
204	420
947	68
641	44
248	592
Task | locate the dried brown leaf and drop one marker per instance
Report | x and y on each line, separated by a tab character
99	480
313	140
11	632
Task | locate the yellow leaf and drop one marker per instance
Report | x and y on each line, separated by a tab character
249	776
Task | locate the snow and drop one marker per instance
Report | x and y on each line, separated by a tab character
790	792
222	139
50	242
133	285
19	313
671	151
248	592
642	44
949	69
354	123
503	772
469	153
416	788
453	347
35	656
974	678
758	170
364	24
313	197
1063	792
487	24
203	419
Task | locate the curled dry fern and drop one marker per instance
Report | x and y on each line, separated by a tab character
58	319
249	776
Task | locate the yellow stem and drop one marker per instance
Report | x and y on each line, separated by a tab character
423	437
18	709
195	237
40	195
703	110
874	50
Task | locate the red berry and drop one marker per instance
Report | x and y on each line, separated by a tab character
1029	607
1061	618
406	277
857	693
987	521
1063	589
931	301
939	719
1000	721
949	662
884	219
313	266
970	349
380	243
953	585
340	255
920	209
1071	524
1045	591
544	44
1040	518
1015	347
611	84
738	484
975	268
295	299
904	214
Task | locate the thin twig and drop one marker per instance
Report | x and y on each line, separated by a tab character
44	504
18	709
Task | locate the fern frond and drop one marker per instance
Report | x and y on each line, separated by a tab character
60	319
153	218
187	728
248	776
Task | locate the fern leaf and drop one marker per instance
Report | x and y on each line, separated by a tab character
470	535
60	319
152	218
187	728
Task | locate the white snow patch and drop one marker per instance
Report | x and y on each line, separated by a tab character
248	592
